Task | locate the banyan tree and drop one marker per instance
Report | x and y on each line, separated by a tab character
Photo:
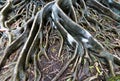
60	40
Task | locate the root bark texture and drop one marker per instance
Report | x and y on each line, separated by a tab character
80	28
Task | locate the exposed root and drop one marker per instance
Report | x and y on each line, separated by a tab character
61	46
21	60
10	21
36	69
16	44
91	78
4	13
71	18
66	66
103	9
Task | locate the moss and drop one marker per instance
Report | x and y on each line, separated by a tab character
115	78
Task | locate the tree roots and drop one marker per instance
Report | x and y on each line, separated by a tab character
71	18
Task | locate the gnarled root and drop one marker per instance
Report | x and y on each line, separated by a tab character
64	15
